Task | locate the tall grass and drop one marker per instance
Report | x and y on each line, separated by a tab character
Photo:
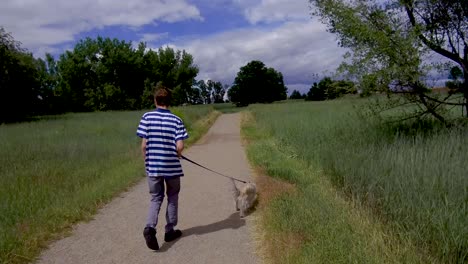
58	171
197	119
313	223
414	179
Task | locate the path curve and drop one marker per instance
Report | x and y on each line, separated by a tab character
213	231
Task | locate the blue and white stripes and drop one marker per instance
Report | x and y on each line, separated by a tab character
162	129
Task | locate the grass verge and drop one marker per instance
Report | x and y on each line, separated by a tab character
314	223
412	175
58	171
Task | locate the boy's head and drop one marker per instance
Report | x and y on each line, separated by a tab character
162	96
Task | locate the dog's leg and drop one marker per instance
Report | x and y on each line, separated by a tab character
235	194
243	207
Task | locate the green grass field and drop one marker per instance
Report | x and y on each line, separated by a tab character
60	170
412	179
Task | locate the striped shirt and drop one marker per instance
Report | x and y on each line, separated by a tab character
162	129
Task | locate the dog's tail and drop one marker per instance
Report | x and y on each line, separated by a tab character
235	190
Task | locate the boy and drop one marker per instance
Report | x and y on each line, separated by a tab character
162	143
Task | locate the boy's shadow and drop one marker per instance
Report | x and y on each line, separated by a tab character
232	222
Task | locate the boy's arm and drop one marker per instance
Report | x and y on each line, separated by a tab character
143	148
180	147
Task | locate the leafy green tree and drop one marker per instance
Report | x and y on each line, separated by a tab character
456	80
98	74
22	93
179	96
210	91
205	94
340	88
109	74
176	71
296	95
256	83
147	98
328	89
235	96
195	96
83	76
389	40
217	91
319	91
49	103
314	94
275	89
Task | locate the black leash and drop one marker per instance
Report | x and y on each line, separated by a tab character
185	158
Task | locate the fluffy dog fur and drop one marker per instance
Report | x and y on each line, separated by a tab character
244	197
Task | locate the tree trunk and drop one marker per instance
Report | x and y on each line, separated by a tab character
431	110
465	92
464	66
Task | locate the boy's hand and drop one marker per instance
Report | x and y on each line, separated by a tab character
179	147
143	148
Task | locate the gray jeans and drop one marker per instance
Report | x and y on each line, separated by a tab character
156	189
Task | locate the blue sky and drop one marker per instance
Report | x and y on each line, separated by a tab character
222	35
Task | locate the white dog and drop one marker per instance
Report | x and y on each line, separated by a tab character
244	197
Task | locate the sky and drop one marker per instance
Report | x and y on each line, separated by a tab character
222	35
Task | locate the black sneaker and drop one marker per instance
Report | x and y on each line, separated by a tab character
172	235
150	236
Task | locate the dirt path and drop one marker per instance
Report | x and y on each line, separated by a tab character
212	230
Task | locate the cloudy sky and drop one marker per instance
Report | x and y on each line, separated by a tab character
222	35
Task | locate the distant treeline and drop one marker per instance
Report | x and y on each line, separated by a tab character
97	75
326	89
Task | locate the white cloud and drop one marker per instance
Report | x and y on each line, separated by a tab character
39	23
274	10
278	10
297	49
152	37
297	46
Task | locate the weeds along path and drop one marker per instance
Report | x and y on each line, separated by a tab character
212	230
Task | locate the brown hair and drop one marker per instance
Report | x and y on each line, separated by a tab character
162	95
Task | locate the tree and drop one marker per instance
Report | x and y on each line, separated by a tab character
217	91
389	41
296	95
456	80
210	91
176	71
21	81
340	88
314	94
318	91
205	94
100	74
237	97
256	83
48	78
195	96
109	74
328	89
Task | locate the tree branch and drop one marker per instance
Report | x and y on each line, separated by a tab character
451	42
430	98
417	115
442	102
395	106
431	109
453	56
